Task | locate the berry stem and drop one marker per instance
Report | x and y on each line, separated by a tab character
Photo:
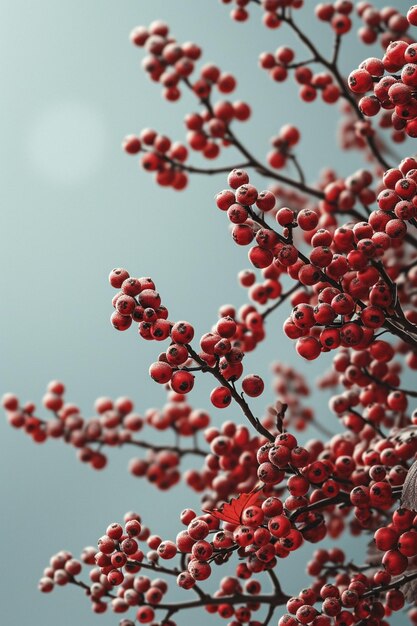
341	498
368	422
280	300
389	324
202	170
269	615
178	450
393	585
383	383
237	598
332	67
214	371
298	167
336	49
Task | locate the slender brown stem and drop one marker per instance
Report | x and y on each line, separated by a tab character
237	598
293	66
333	68
280	300
276	599
266	171
298	167
275	582
368	422
396	584
383	383
269	615
210	171
341	498
402	334
239	399
180	451
336	49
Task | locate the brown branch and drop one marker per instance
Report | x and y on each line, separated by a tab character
239	399
237	598
393	585
383	383
368	422
333	68
280	300
298	167
341	498
180	451
274	600
389	324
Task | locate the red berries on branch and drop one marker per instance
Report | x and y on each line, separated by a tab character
342	251
391	81
173	65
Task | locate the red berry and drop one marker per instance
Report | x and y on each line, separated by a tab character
161	372
182	381
253	385
412	15
308	347
220	397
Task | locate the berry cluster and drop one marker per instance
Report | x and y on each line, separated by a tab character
371	382
282	61
392	81
222	350
114	425
61	570
273	10
398	541
261	292
138	301
341	195
115	580
118	552
239	203
353	133
172	65
161	156
261	531
342	268
230	465
351	599
167	62
398	198
287	138
387	23
337	14
209	130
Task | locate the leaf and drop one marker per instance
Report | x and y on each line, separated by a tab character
403	434
232	511
410	590
281	408
409	492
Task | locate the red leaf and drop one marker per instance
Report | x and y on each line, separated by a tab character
232	511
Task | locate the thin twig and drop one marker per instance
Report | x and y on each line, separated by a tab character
239	399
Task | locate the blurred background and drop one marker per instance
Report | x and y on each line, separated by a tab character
73	206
